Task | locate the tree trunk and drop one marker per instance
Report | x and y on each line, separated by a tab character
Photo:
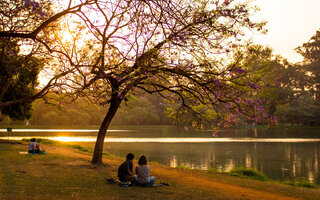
98	149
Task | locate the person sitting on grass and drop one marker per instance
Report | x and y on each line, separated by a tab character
125	173
34	146
143	172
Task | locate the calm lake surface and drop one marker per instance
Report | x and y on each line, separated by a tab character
282	154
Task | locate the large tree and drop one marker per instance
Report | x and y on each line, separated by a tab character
178	49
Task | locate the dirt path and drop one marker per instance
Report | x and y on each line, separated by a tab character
229	190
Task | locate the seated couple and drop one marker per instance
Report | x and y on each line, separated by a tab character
142	176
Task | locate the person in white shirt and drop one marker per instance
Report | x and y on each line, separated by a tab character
143	172
33	146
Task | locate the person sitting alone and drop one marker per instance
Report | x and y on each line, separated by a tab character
143	172
125	173
34	146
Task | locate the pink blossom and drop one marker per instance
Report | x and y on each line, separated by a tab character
214	134
218	95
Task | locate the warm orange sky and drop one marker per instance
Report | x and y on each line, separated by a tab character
290	23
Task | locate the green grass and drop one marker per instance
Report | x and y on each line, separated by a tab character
51	176
182	167
248	173
212	170
254	174
80	148
301	183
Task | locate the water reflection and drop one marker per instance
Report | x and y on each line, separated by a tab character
279	161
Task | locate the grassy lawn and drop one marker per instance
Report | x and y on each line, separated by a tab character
66	173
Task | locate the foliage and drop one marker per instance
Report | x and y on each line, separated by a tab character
18	79
248	173
182	167
303	106
212	170
311	53
80	148
27	29
142	110
301	183
21	15
160	63
20	61
302	110
283	97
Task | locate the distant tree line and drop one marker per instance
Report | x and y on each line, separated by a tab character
142	110
291	92
301	105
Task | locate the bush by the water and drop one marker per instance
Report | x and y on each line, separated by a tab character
80	148
301	183
248	173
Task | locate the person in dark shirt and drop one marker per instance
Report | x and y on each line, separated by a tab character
125	173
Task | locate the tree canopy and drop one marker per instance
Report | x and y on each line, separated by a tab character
22	55
18	80
179	49
172	48
311	53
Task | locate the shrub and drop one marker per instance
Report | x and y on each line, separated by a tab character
301	183
80	148
212	170
182	167
248	173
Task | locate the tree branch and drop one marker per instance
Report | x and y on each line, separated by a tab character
33	34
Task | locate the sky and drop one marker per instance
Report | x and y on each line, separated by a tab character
290	24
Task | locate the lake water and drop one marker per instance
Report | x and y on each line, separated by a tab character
282	154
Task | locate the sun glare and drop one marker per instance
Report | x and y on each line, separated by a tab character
73	139
64	139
